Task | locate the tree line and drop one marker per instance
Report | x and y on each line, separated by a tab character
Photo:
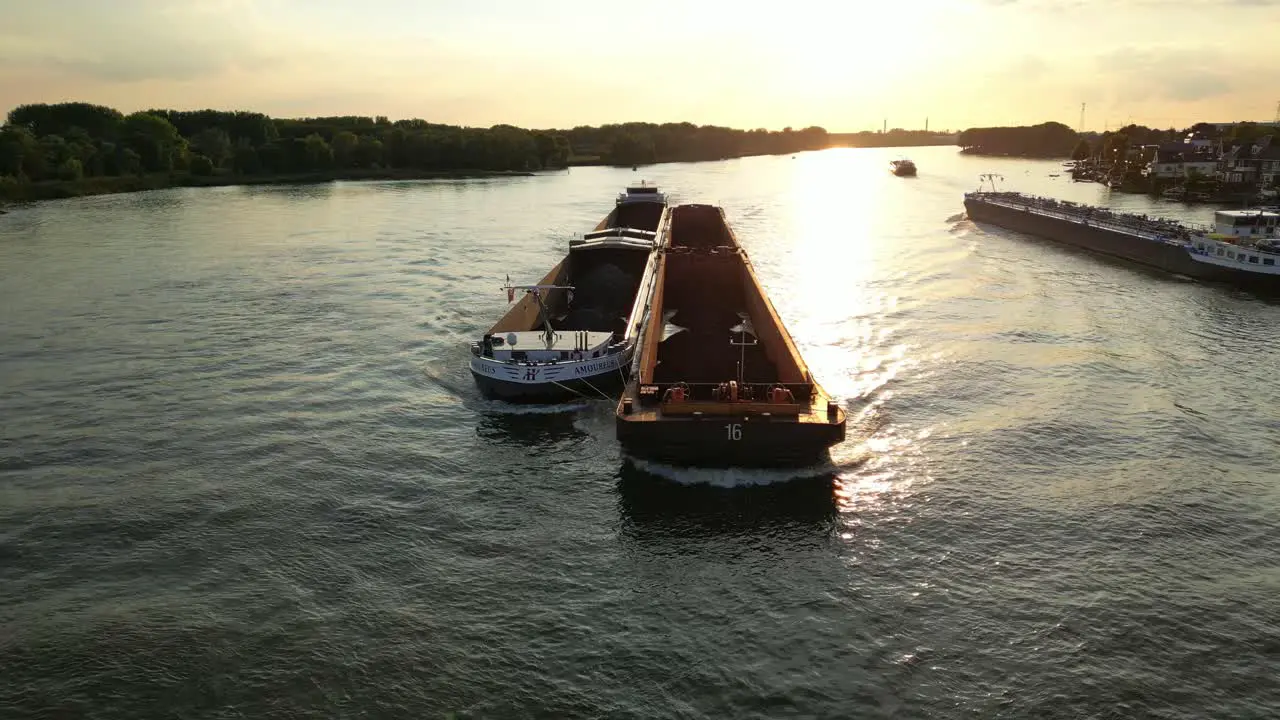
1054	139
1050	139
640	143
70	141
1114	145
894	137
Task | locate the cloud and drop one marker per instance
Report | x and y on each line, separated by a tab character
1041	5
132	40
1179	74
1130	3
980	62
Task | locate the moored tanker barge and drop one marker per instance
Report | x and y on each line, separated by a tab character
1241	249
716	380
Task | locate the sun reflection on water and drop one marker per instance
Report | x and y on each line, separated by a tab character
889	464
833	201
842	322
846	275
868	491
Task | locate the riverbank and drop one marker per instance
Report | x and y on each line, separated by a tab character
891	139
107	185
840	142
1024	155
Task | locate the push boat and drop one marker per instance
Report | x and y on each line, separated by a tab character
902	167
1241	248
573	333
717	381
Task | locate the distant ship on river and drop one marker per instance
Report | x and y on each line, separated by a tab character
902	167
1242	248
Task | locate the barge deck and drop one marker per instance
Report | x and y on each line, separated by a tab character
573	334
717	380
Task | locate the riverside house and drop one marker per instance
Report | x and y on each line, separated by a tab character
1194	156
1254	163
1178	161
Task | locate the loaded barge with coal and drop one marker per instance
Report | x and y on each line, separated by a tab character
1241	249
574	333
717	380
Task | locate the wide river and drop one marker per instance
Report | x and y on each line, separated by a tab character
244	471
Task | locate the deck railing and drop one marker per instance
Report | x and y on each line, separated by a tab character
1139	225
747	392
477	349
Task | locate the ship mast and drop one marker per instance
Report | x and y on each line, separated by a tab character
985	178
742	345
547	331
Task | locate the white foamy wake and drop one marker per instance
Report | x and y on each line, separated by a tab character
732	477
506	408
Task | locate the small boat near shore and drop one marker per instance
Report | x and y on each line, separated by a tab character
1242	248
902	167
717	381
573	333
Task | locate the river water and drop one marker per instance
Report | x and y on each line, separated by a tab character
244	471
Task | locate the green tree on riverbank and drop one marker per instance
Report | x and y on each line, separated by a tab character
39	141
1049	139
1057	140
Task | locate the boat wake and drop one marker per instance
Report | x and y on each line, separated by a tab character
734	477
452	386
505	408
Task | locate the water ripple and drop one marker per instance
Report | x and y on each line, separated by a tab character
244	471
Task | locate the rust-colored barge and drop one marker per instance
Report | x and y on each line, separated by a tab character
717	380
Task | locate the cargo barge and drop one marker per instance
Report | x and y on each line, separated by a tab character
717	381
1241	249
574	333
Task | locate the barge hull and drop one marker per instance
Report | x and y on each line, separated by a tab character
1103	241
731	442
728	388
1164	256
533	393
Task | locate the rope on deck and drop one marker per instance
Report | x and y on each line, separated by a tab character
582	394
593	387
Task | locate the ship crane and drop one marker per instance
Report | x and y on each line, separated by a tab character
536	290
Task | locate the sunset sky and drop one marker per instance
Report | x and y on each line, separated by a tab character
560	63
